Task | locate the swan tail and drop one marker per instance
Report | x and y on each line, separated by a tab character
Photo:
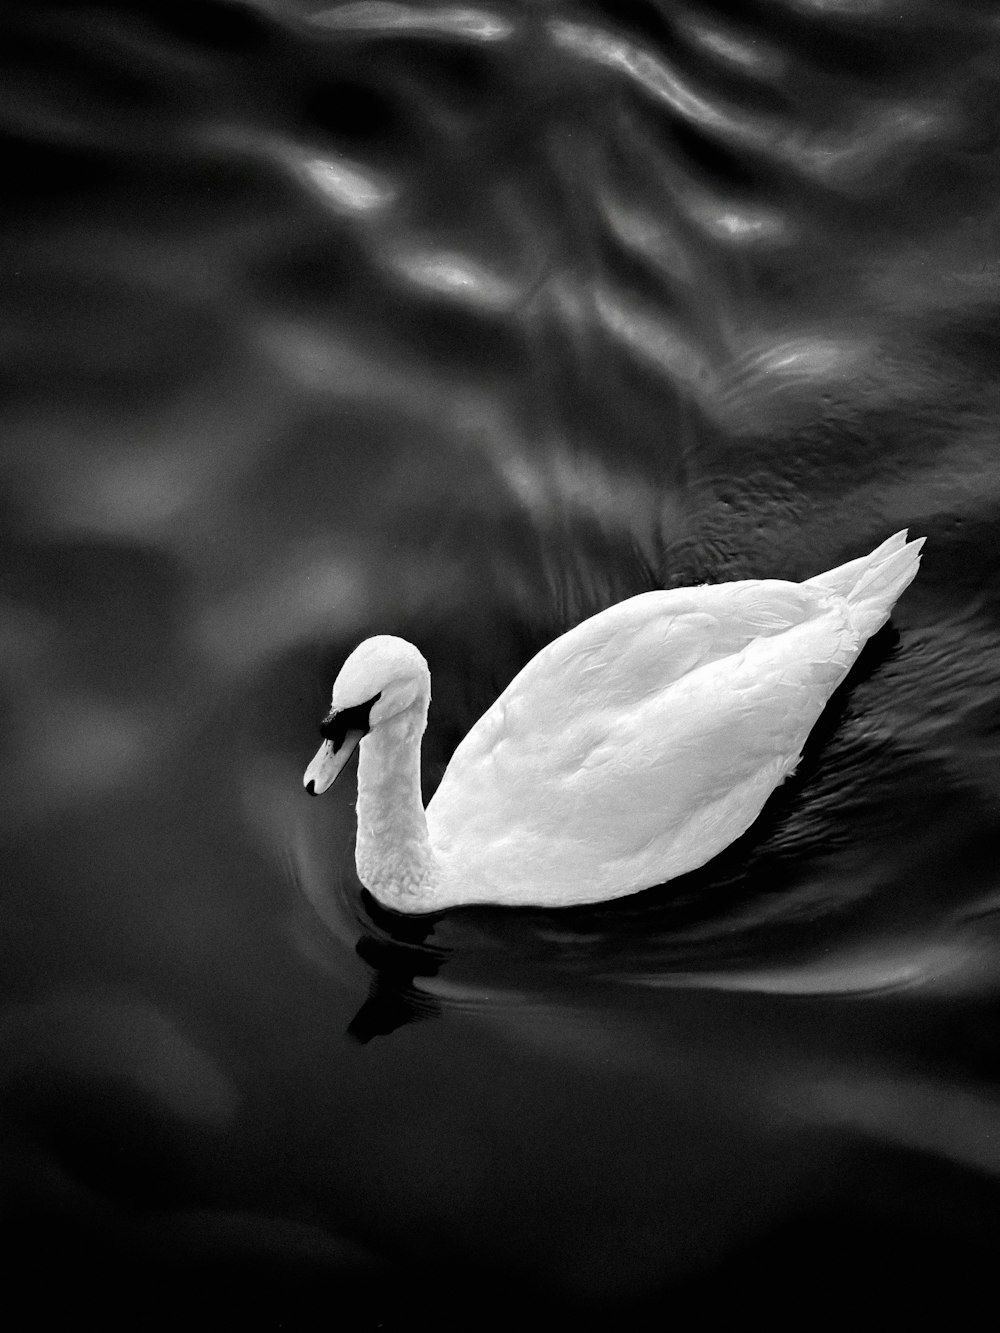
845	578
882	577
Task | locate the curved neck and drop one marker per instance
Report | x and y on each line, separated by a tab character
393	852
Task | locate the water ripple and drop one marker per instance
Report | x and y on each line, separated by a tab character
462	323
372	17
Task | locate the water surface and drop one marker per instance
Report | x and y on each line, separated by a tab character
462	324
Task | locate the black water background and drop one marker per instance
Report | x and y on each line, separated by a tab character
461	325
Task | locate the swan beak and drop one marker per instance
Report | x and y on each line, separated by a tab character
328	763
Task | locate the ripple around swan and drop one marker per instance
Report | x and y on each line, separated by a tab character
464	322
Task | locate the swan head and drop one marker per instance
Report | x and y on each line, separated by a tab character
381	679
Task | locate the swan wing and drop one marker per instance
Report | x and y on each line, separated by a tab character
630	651
638	740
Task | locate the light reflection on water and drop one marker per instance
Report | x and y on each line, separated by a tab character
462	324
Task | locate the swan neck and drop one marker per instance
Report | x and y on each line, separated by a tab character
394	857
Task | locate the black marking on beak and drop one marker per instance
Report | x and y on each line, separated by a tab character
311	788
338	722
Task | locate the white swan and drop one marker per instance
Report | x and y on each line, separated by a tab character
630	750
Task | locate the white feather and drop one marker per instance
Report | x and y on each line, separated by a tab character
629	751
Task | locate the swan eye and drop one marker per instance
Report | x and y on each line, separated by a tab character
339	722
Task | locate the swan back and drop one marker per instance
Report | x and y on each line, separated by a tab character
641	743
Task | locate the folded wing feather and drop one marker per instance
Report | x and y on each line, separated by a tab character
637	723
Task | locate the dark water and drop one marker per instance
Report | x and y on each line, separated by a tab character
462	324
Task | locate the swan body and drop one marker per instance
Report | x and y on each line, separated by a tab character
630	750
